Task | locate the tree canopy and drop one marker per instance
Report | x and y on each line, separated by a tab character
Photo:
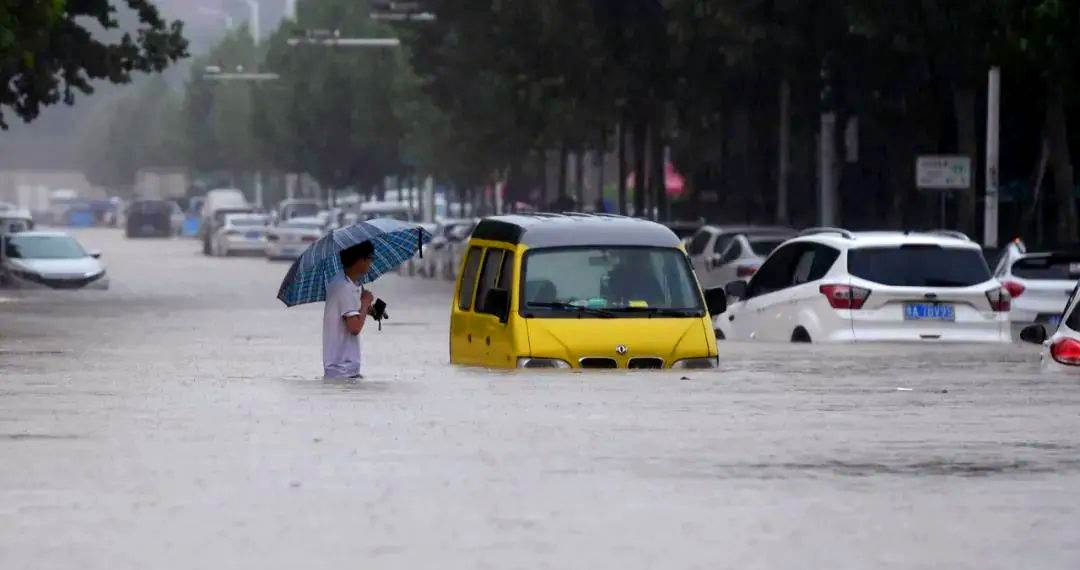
51	49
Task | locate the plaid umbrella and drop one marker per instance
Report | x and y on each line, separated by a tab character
395	243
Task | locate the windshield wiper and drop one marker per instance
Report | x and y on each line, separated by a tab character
657	311
571	307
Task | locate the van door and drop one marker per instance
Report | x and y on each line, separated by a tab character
462	344
491	335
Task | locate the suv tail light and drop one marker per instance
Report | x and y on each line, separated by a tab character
1066	351
1000	300
744	271
309	239
1015	289
845	296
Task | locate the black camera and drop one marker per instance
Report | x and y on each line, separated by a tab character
378	312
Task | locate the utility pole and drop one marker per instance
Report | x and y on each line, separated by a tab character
993	142
253	20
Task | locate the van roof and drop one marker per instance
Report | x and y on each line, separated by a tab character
564	230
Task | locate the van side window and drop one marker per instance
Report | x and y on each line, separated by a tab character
506	274
489	276
468	278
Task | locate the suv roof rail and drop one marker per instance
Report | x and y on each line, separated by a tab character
826	230
950	233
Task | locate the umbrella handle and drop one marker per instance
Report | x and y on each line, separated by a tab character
420	241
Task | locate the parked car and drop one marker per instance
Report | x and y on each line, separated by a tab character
707	246
288	240
297	208
685	229
1061	346
578	291
241	233
442	255
14	221
739	259
831	285
49	260
216	205
1039	283
152	218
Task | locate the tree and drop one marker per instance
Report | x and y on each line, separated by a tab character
49	50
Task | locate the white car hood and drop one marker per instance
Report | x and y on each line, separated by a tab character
80	267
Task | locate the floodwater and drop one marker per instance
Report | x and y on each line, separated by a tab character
179	421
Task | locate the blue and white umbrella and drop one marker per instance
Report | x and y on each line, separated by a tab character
395	243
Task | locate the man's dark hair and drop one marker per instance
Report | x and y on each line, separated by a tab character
351	255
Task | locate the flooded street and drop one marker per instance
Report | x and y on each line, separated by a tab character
179	420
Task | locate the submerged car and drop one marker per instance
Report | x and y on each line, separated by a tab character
580	291
1040	283
49	260
152	218
288	240
241	233
832	285
1061	347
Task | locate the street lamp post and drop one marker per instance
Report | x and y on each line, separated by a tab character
215	73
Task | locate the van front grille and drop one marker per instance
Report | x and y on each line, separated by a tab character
645	363
606	363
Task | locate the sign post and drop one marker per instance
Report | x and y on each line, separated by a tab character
945	174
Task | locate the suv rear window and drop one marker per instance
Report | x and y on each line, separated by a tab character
1066	268
919	266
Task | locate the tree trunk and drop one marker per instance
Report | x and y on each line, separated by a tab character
579	178
968	144
1064	183
658	167
622	168
563	157
784	153
640	131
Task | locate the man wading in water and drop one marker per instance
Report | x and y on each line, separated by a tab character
345	313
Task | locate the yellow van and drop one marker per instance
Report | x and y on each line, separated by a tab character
580	291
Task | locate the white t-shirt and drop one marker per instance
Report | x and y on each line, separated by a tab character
341	349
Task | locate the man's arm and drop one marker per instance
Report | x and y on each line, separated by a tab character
354	321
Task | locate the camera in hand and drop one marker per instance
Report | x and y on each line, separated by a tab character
378	312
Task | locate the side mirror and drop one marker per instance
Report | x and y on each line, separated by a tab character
716	301
95	254
1034	334
497	302
736	289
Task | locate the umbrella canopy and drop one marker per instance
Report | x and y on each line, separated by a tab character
674	182
395	243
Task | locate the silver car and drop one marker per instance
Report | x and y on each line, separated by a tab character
721	254
49	260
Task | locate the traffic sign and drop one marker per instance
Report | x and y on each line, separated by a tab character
943	172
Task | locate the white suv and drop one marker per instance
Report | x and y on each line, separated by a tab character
832	285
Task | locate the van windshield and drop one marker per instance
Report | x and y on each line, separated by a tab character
608	282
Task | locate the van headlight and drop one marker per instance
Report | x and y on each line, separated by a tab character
525	362
697	363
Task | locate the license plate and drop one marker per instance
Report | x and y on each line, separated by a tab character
252	235
929	312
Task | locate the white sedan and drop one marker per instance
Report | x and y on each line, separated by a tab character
49	260
241	233
288	240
